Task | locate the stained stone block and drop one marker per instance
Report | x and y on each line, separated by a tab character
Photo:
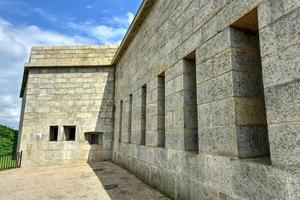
247	84
281	67
174	101
263	182
168	182
214	46
214	67
132	165
219	140
174	71
151	138
249	111
215	89
146	154
281	34
155	178
202	191
183	187
270	11
187	164
161	158
234	10
216	113
252	141
208	10
192	166
174	139
205	71
284	143
283	102
218	172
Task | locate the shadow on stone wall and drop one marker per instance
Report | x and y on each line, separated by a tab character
104	124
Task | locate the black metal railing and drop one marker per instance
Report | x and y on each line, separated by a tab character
10	161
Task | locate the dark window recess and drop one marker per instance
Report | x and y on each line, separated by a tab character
161	110
120	121
129	118
53	133
143	118
191	121
94	139
70	132
245	33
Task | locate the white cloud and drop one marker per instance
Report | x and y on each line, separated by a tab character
130	17
111	31
107	34
17	40
89	6
15	45
10	110
44	14
124	21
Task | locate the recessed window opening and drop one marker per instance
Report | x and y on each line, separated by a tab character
247	26
53	133
94	138
191	115
143	116
120	120
161	110
129	118
70	133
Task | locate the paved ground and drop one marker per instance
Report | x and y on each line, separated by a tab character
74	182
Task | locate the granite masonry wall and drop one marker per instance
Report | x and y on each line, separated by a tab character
208	100
60	91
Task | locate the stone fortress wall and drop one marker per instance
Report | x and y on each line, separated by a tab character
201	100
63	87
212	108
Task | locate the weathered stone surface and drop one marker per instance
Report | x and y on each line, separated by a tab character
281	34
263	182
284	143
222	123
219	140
218	172
202	191
271	10
282	102
282	67
63	97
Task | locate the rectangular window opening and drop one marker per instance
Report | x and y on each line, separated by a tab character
95	139
143	115
70	133
190	112
246	30
129	118
53	133
161	110
120	121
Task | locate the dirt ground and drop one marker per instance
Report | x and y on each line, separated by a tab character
103	181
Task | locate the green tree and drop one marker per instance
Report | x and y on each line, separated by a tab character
8	140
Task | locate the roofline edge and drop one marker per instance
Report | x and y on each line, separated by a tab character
133	29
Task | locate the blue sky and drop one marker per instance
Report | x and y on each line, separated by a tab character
27	23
